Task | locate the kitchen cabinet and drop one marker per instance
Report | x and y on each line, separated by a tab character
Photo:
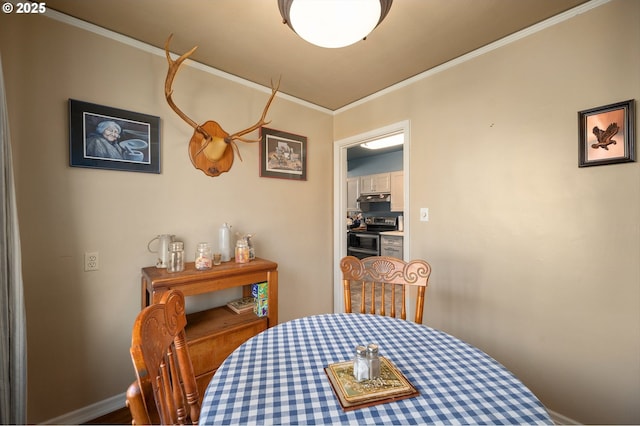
214	333
375	184
391	245
353	192
397	191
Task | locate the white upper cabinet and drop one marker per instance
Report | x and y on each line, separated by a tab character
375	184
353	185
397	191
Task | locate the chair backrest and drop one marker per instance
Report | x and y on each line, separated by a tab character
377	279
165	391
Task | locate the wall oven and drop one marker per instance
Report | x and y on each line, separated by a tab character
365	243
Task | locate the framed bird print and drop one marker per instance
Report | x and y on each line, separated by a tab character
606	134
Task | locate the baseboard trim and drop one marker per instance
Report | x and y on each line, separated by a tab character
90	412
559	419
117	402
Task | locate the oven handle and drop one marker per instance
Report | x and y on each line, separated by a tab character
373	236
363	251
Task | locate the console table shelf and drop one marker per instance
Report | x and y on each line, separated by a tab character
214	333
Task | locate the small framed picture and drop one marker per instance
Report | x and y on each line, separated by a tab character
607	134
109	138
283	155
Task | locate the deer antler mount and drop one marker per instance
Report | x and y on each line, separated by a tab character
210	148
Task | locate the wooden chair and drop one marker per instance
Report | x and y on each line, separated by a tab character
165	391
384	276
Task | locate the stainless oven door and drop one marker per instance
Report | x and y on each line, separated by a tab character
360	253
363	245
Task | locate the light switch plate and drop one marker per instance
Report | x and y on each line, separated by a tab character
424	214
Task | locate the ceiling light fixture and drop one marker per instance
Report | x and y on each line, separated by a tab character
386	142
333	23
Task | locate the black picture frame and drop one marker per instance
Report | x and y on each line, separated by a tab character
607	134
283	155
134	138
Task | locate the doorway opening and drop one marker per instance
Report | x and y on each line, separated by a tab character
351	147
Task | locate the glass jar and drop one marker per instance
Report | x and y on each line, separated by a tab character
176	257
203	256
242	251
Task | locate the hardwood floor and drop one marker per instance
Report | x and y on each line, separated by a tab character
118	417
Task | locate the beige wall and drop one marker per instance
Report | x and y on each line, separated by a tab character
79	322
535	260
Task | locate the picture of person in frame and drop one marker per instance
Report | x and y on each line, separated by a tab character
104	142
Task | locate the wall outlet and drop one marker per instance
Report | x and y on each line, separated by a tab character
424	214
91	261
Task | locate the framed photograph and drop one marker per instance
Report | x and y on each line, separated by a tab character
606	134
283	155
109	138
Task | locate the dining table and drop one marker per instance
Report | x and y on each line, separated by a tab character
278	377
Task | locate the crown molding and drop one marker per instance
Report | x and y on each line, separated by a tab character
145	47
571	13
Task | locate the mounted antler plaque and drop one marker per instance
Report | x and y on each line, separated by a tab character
210	148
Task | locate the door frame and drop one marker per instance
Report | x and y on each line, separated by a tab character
340	199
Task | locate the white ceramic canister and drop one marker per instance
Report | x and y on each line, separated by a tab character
224	241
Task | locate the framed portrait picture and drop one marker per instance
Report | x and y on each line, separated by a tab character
283	155
109	138
607	134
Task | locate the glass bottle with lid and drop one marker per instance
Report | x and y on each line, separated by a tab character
252	250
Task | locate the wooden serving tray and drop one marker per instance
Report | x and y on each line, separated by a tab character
392	385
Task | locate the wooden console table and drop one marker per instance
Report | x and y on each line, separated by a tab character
213	334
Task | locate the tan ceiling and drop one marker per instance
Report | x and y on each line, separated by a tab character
247	38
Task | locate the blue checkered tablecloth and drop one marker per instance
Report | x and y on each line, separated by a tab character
278	378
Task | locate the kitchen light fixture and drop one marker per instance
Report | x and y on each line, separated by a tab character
385	142
333	23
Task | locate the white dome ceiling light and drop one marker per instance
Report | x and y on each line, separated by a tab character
333	23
